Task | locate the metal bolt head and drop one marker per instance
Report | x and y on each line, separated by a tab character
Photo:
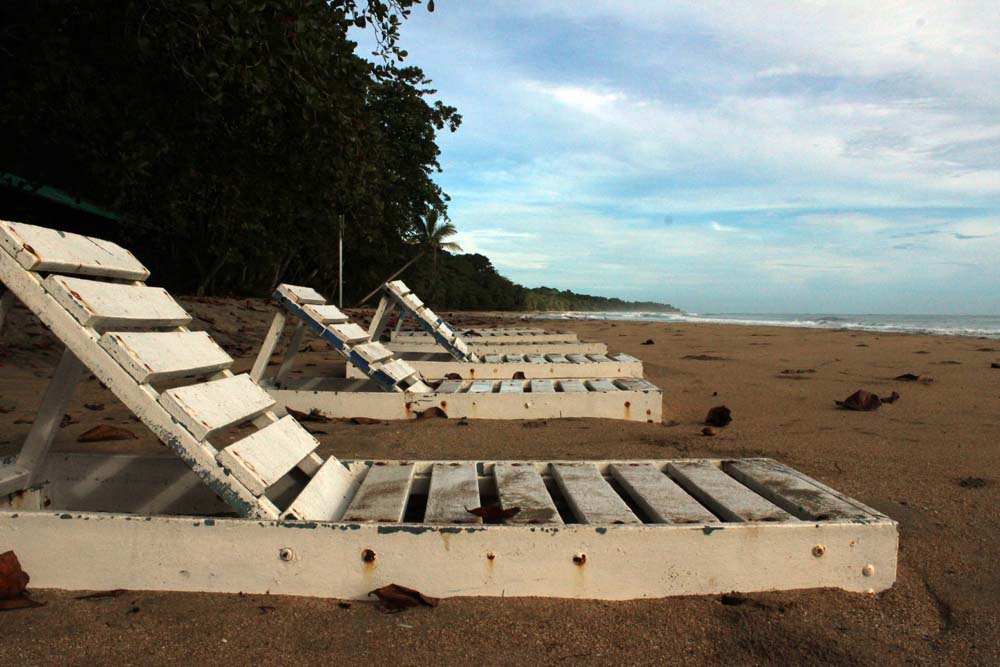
819	550
580	558
286	554
868	570
368	556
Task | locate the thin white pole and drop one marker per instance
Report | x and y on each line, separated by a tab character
340	264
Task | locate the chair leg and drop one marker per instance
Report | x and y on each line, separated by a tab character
267	347
293	349
381	318
54	402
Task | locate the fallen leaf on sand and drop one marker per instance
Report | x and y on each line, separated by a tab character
100	595
396	598
432	413
311	416
648	341
720	415
494	513
907	377
708	430
14	584
864	401
105	432
364	421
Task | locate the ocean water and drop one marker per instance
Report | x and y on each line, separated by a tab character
983	326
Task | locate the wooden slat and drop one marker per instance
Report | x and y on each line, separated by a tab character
542	386
521	486
658	495
326	496
42	249
534	358
435	321
414	303
398	287
514	358
209	406
634	384
398	370
150	356
602	385
481	387
301	295
325	314
492	358
454	489
383	494
557	358
598	357
572	386
723	495
790	492
462	348
590	496
98	304
512	386
373	352
578	358
262	458
449	387
349	332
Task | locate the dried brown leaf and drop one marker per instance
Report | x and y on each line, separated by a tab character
104	432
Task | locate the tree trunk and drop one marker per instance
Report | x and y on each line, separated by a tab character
375	291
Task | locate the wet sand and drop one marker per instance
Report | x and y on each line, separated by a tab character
931	461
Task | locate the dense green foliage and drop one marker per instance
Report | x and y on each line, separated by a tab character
229	135
548	298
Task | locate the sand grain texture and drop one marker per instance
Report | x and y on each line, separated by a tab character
911	460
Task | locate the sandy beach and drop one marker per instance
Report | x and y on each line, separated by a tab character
930	461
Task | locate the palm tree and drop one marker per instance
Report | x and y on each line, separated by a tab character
431	239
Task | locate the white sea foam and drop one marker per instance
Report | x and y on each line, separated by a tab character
987	326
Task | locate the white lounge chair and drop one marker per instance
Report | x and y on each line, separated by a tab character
392	388
485	334
608	529
440	335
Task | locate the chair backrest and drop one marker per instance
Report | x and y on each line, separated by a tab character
350	340
442	332
131	336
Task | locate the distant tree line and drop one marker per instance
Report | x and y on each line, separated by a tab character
229	136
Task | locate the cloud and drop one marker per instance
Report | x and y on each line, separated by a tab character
793	155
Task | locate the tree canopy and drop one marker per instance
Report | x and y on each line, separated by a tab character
229	135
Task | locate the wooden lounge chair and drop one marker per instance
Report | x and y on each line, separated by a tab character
485	334
391	388
212	520
440	335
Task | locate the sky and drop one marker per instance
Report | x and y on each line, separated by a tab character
839	157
